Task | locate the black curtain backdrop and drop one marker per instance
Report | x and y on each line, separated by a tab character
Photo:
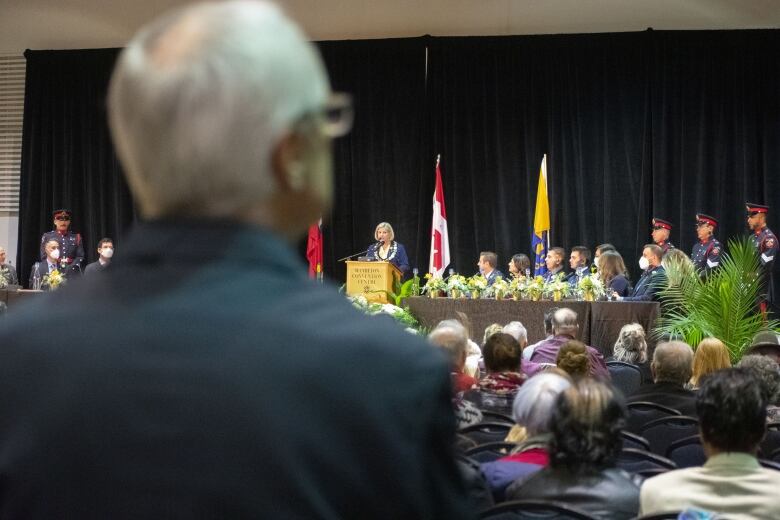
634	125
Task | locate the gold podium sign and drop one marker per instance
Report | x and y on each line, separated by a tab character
370	279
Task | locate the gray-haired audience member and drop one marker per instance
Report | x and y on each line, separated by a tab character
7	271
672	367
766	371
732	418
128	396
565	328
451	336
517	330
631	347
548	332
532	410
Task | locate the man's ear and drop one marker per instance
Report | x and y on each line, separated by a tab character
287	163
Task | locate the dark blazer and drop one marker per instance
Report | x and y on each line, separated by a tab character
666	394
620	285
230	387
399	259
495	273
649	285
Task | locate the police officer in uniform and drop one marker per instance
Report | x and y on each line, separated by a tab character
71	244
661	231
765	243
706	252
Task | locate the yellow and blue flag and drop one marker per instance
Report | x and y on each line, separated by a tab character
540	242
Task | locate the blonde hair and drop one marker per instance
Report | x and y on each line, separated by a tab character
711	355
387	227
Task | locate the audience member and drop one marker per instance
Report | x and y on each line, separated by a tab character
767	373
7	271
450	335
573	359
671	369
548	331
765	343
565	328
137	395
490	330
105	251
517	330
585	443
631	347
732	412
532	410
497	389
711	355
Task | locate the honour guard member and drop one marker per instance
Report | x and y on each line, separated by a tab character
661	231
706	252
765	242
71	244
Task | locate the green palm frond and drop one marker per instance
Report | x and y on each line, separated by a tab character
722	305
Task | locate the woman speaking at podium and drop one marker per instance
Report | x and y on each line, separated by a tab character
387	249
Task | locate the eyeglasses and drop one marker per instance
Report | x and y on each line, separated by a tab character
334	118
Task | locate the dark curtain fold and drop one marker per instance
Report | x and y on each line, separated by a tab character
634	125
67	156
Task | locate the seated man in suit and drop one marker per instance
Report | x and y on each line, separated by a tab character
105	251
579	260
732	418
41	276
487	263
672	367
653	277
566	328
554	262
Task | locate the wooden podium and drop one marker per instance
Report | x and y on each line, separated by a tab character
370	278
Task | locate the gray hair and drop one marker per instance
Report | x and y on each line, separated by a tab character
673	362
200	98
564	321
631	345
535	401
451	336
387	227
517	331
766	371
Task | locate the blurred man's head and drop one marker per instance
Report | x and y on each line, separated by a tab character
222	110
564	323
732	411
451	336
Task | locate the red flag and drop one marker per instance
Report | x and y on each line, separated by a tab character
440	242
314	250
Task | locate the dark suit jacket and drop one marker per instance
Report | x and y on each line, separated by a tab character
495	273
648	286
666	394
230	387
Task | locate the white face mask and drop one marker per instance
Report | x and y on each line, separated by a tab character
644	263
107	252
55	254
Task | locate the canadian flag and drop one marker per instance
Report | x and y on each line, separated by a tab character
440	242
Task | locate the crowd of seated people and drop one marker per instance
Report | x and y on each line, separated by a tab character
567	438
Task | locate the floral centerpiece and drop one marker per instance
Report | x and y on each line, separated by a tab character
477	285
499	289
457	285
518	286
557	287
591	288
54	280
402	316
434	285
535	288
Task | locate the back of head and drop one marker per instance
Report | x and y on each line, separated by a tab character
548	320
490	330
535	401
518	331
502	353
199	100
451	336
564	322
631	345
573	359
586	427
766	372
672	362
731	410
711	355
